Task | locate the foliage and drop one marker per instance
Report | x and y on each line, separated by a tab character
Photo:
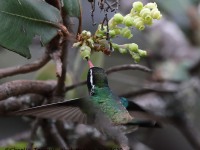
138	17
22	20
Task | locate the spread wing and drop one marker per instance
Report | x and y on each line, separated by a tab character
68	110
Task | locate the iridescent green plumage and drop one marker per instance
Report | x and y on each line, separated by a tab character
103	98
113	108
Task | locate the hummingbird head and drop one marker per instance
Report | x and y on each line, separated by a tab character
96	78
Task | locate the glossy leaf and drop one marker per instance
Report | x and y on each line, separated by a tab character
21	20
72	8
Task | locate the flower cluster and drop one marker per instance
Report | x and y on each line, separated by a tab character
119	25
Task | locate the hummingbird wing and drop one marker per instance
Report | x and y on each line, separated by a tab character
68	110
142	118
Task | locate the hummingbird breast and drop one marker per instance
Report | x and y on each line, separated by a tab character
110	105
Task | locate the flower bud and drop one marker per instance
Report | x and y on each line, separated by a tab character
142	53
138	23
126	32
148	18
112	33
84	32
85	51
88	34
145	12
122	50
133	47
115	46
118	18
137	6
155	14
77	44
128	21
151	5
136	58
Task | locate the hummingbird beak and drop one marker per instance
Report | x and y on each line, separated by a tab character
90	63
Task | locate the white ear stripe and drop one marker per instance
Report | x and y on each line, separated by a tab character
91	80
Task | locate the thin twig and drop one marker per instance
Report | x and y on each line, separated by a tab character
70	87
112	70
25	68
146	91
128	67
55	134
92	12
34	128
19	87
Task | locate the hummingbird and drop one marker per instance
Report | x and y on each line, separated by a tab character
100	108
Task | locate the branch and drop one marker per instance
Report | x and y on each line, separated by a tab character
127	67
57	137
16	103
60	88
112	70
71	87
19	87
146	91
25	68
34	128
158	87
56	57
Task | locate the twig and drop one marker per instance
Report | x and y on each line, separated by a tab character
146	91
162	88
55	134
16	103
56	57
70	87
92	12
18	137
112	70
34	128
19	87
59	91
128	67
25	68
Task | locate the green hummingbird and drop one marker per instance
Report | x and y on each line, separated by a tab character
83	110
102	107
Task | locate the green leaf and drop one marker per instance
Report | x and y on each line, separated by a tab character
72	8
21	20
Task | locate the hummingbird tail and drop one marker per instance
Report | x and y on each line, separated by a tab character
144	123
